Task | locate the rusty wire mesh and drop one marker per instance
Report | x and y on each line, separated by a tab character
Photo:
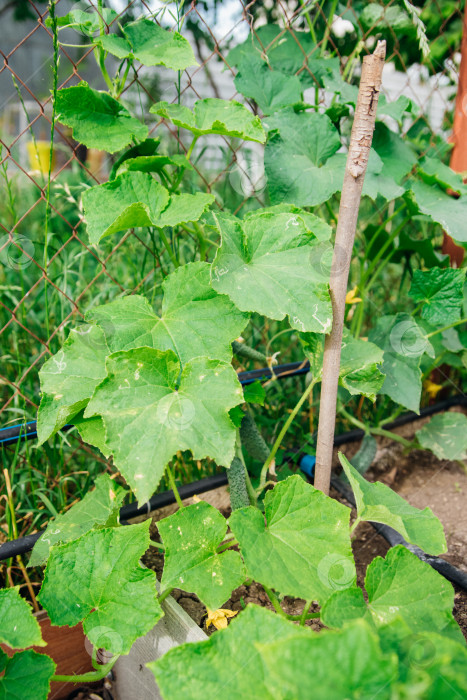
50	274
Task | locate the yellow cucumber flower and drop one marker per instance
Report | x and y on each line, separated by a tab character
219	617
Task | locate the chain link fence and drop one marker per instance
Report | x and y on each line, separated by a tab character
49	273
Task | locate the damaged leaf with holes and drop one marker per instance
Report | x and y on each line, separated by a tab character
194	319
98	508
136	199
146	401
69	378
114	596
303	548
213	116
97	119
272	264
151	45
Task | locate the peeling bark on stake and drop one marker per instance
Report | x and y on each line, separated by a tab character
357	161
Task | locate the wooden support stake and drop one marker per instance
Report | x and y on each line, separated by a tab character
357	161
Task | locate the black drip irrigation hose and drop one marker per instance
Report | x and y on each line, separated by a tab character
24	544
28	431
132	510
452	573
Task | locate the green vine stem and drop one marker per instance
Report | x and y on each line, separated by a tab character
306	12
379	431
389	419
100	55
51	149
90	677
201	240
327	31
303	616
355	525
192	145
164	595
287	424
446	328
274	601
168	247
309	616
173	486
226	545
367	282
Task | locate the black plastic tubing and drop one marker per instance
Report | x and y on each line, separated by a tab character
132	510
28	431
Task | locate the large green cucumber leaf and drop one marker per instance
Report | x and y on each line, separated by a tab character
152	163
395	109
431	666
69	378
97	119
26	676
312	223
378	182
272	265
346	664
98	580
214	116
358	372
136	199
147	148
403	342
131	200
433	170
345	606
397	155
151	45
97	509
326	72
293	177
84	21
270	89
298	145
445	435
303	548
449	212
184	207
401	586
92	431
194	320
441	292
378	503
286	49
227	664
151	412
191	537
18	626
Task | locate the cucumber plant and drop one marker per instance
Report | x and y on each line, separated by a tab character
143	383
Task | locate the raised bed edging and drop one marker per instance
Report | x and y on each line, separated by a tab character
132	680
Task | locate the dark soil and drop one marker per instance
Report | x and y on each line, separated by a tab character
419	477
92	692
